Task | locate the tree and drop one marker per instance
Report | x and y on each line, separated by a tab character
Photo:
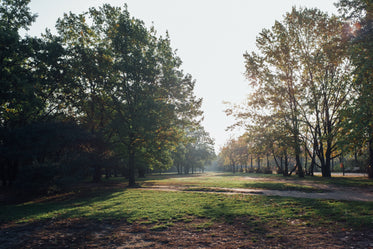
325	71
301	81
26	88
235	153
129	86
274	75
359	116
194	151
105	74
17	101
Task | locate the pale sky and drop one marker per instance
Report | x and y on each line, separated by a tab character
210	37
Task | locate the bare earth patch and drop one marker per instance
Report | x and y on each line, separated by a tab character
198	233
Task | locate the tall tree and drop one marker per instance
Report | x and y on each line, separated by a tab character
129	86
359	118
325	81
18	104
274	73
301	82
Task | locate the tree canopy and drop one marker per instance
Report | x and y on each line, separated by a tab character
311	79
105	75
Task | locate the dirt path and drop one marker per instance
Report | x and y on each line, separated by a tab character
333	193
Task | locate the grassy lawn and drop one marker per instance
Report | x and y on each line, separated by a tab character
136	205
140	205
257	181
266	216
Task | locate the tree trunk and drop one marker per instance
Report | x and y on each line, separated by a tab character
327	169
306	161
131	164
370	165
299	166
356	162
96	173
142	172
186	169
279	168
297	154
313	159
107	173
286	169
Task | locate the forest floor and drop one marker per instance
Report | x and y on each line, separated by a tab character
243	231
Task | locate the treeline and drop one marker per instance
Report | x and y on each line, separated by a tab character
312	80
104	95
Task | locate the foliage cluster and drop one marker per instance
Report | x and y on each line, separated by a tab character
311	104
105	94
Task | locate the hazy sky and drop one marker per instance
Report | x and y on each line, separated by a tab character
209	35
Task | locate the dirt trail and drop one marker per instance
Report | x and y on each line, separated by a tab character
334	193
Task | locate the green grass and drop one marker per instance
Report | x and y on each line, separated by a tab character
244	180
342	181
163	208
228	181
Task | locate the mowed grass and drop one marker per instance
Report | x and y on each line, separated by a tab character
231	181
163	208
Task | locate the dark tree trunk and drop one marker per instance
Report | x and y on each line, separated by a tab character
131	164
286	169
306	161
327	166
141	172
97	173
370	165
107	173
186	169
179	169
299	166
356	162
279	166
313	159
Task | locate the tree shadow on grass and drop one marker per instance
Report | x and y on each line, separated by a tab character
221	212
352	214
358	215
81	203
